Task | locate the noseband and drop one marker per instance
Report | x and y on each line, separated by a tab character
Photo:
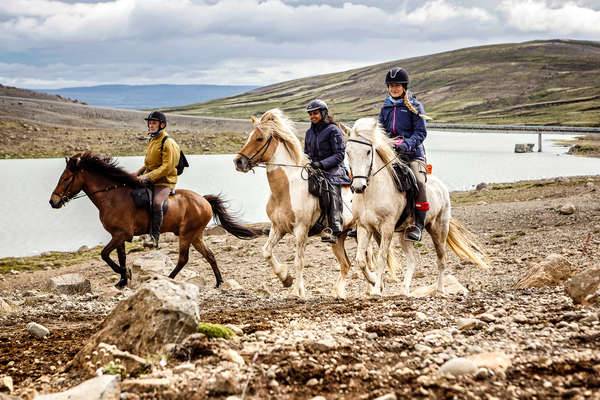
65	196
368	176
253	160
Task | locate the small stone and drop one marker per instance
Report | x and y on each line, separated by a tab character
583	287
37	330
236	329
389	396
5	307
468	323
273	384
83	249
421	348
233	356
6	384
487	317
231	284
70	284
420	316
458	366
567	209
184	368
107	385
372	335
312	382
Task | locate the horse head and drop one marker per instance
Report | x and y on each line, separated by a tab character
69	184
268	132
360	152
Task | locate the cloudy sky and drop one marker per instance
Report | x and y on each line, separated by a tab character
62	43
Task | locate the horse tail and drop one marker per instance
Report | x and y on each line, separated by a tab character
229	221
466	245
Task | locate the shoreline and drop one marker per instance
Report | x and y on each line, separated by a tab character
490	193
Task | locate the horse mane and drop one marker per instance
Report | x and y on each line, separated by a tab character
370	129
105	166
282	129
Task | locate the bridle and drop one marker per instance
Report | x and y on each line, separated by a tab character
369	174
66	196
253	160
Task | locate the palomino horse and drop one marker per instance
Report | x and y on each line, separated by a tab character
378	205
109	188
291	208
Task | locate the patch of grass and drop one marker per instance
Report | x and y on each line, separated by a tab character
517	235
498	235
215	330
115	369
55	259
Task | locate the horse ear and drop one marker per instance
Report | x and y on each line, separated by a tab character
254	120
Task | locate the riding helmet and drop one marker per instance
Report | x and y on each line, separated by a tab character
156	116
397	75
317	104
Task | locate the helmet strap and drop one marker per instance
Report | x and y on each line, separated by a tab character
160	129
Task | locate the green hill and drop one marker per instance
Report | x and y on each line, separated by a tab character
553	82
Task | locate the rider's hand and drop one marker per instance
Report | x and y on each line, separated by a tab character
143	178
316	165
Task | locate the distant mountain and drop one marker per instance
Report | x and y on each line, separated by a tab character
554	82
146	96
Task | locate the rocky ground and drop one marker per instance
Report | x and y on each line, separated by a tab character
532	343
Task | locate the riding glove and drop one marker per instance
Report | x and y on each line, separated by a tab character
316	165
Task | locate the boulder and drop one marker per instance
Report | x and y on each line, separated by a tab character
105	387
161	311
6	384
451	285
156	263
37	330
524	147
5	306
109	354
495	360
481	186
567	209
458	366
552	271
69	284
583	288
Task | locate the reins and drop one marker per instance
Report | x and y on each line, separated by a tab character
65	196
370	175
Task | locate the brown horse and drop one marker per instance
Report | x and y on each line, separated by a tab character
109	188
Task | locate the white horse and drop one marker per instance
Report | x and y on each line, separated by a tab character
291	208
378	205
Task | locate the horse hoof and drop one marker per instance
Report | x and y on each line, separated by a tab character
121	284
287	282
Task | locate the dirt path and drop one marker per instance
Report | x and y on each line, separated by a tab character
358	348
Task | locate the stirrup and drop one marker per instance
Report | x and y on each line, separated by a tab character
327	236
409	229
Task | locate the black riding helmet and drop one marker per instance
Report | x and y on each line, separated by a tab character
156	116
397	75
317	104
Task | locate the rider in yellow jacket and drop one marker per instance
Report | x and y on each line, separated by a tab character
159	169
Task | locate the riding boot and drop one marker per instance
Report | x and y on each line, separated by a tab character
157	217
415	234
334	217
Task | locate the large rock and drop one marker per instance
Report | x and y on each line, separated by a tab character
5	306
583	287
6	384
37	330
451	286
70	284
552	271
161	311
524	147
156	263
106	387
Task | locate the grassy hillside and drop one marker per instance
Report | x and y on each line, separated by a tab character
541	83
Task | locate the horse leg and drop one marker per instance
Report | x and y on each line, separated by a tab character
301	235
123	260
409	250
184	253
282	273
364	257
439	232
387	233
209	257
340	253
115	242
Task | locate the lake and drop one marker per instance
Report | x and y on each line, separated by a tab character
29	226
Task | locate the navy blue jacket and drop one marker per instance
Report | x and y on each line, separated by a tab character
399	121
325	143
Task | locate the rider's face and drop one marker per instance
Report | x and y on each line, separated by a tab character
315	116
153	125
396	89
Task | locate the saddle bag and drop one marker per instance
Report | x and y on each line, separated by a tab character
318	186
142	198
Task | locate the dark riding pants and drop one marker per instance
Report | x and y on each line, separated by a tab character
334	216
419	168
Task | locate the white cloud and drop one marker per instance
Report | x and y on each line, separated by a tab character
539	16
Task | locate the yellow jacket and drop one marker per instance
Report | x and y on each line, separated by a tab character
161	168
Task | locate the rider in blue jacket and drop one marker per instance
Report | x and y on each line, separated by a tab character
403	118
324	145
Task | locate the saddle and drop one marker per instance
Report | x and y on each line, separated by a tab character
405	181
142	198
